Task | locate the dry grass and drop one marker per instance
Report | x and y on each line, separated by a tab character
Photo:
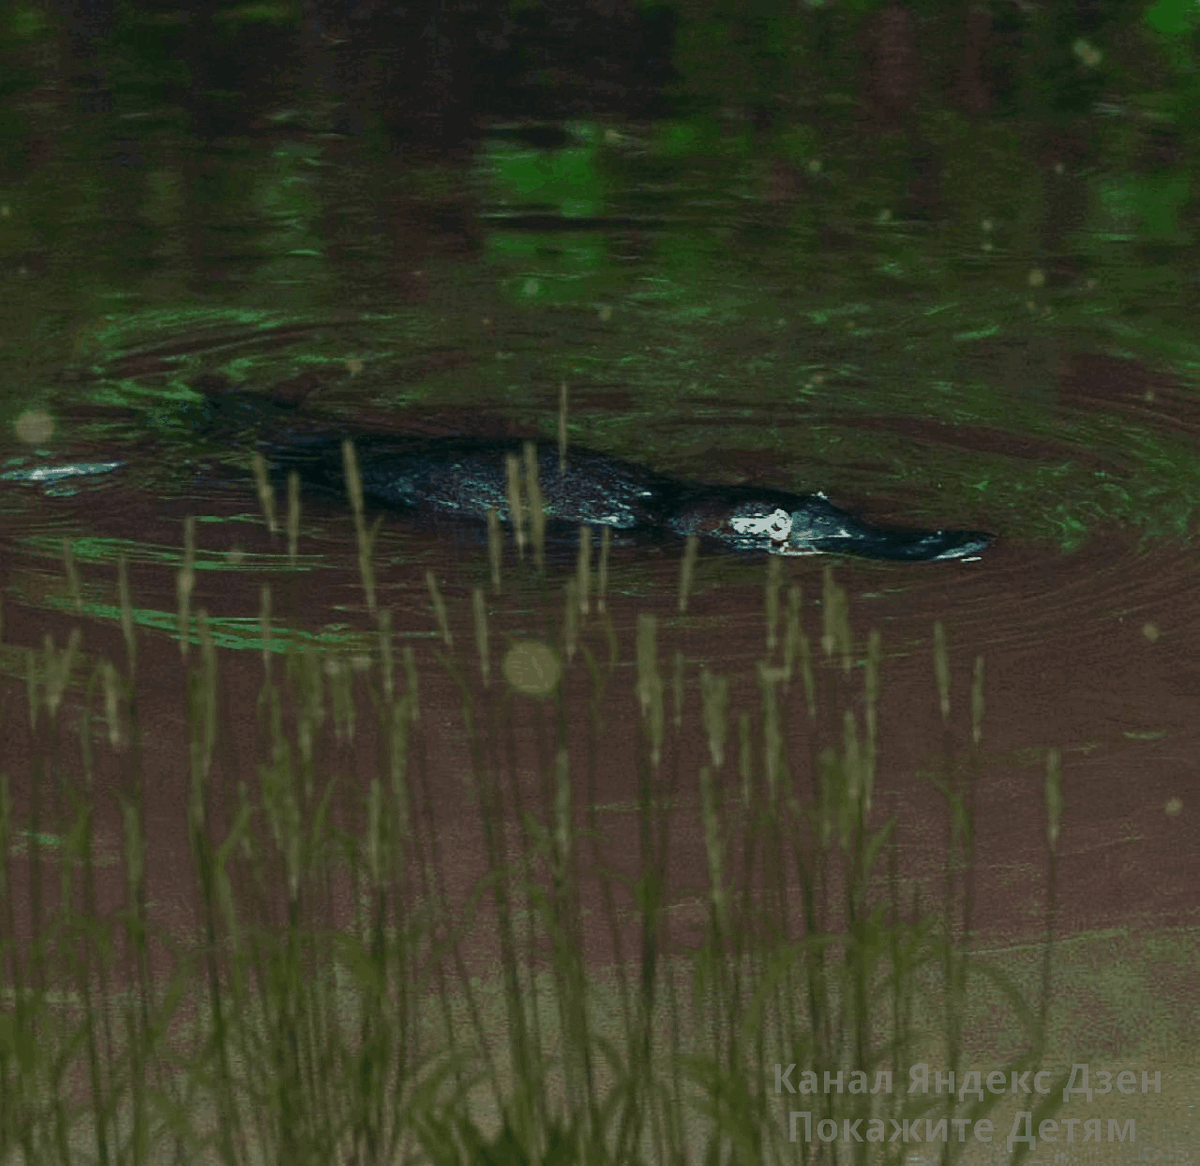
277	1039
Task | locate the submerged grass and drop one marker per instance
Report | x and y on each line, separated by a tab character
275	1036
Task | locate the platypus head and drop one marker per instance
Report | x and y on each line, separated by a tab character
809	524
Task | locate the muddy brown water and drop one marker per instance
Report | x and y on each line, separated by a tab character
1093	653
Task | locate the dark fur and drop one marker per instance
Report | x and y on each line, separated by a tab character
458	477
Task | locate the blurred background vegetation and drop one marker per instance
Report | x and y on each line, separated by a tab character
428	71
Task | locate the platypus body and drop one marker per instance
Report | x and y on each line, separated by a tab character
459	477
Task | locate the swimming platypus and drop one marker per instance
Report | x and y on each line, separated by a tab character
461	477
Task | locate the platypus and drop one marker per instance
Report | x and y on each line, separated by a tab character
461	477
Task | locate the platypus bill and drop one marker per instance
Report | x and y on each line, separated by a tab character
457	477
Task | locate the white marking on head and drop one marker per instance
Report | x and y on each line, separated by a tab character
778	525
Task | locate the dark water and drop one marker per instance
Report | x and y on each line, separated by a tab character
910	373
1010	355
